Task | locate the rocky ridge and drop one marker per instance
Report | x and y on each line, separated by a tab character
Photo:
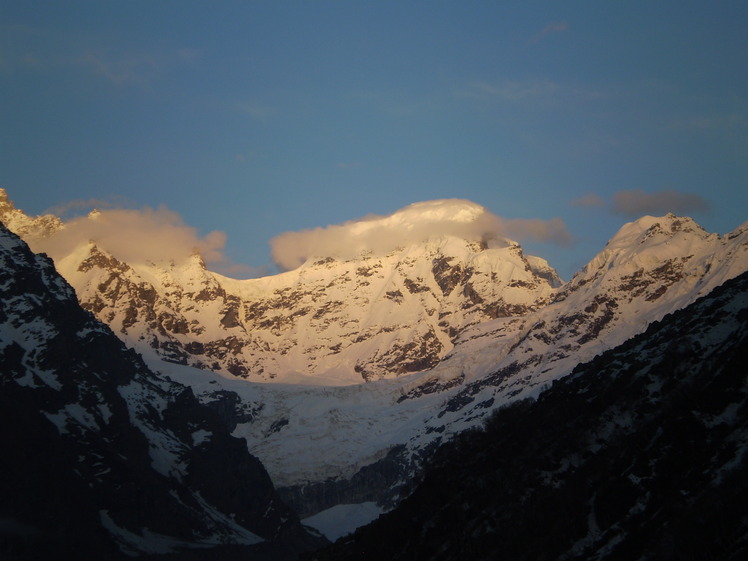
670	262
344	321
444	332
651	267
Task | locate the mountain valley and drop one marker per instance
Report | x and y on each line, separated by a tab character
637	454
345	375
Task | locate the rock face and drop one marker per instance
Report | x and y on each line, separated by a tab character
384	356
650	268
346	321
103	458
639	454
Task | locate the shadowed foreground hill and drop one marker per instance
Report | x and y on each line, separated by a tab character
101	458
639	454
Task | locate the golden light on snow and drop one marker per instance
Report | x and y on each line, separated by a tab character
415	223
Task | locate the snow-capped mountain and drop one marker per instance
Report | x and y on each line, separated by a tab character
102	458
328	321
377	357
651	267
638	454
25	226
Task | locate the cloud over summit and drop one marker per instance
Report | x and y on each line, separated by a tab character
415	223
136	236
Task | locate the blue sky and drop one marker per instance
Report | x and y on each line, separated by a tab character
260	118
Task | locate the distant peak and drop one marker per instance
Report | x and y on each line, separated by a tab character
666	219
378	235
648	227
6	205
671	224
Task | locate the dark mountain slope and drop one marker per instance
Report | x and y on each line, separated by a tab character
639	454
101	458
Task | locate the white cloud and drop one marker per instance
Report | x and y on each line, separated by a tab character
412	224
136	236
636	202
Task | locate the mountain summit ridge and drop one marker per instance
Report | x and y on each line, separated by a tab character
381	358
350	320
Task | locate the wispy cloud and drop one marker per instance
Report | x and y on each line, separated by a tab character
69	209
550	29
636	202
413	224
248	156
516	91
710	122
396	102
21	47
555	27
48	50
553	231
255	109
133	68
128	69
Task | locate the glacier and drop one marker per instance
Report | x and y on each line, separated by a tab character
351	359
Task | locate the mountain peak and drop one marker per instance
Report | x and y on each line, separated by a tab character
377	235
23	225
655	228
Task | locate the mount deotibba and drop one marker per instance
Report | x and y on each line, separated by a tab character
343	373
